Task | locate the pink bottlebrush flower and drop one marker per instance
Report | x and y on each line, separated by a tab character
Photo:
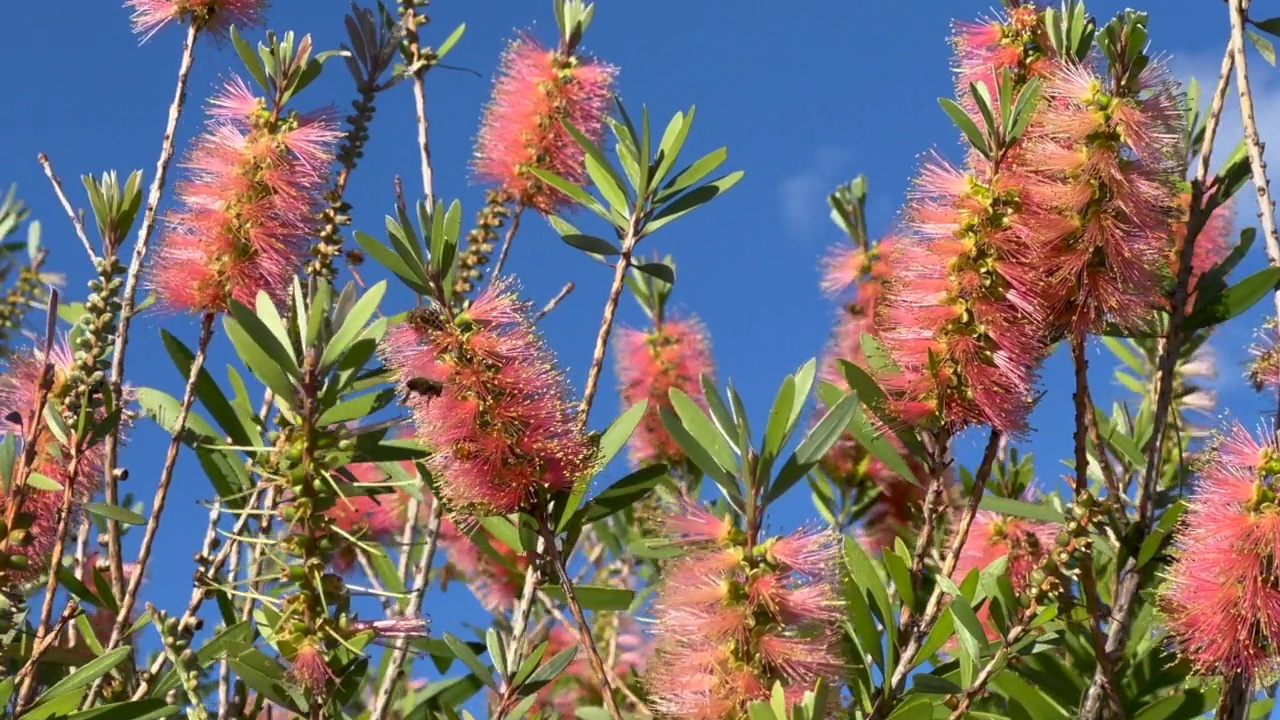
212	16
962	316
19	391
985	48
537	91
730	623
247	208
993	536
673	355
501	422
310	671
1222	602
1106	169
496	582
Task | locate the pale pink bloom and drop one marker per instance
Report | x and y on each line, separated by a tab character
1213	244
844	267
212	16
993	536
1222	601
310	671
536	92
730	623
19	390
501	423
247	208
495	582
650	363
1015	42
1106	173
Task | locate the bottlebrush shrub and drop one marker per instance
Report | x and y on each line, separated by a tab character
413	513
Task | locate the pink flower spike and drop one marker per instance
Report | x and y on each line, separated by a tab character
537	91
310	670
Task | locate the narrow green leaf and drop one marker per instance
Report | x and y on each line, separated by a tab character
114	512
468	658
696	171
262	363
353	324
1020	508
692	200
703	429
622	494
85	674
590	244
597	597
1264	46
241	430
1160	535
575	193
1235	300
413	277
965	124
616	435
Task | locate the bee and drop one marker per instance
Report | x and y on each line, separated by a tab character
429	389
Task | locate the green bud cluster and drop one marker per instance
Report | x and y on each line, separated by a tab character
94	338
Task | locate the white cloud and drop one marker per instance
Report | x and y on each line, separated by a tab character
803	195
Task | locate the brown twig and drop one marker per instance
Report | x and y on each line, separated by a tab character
554	302
127	306
51	586
506	243
917	632
606	323
76	223
1129	576
411	24
585	640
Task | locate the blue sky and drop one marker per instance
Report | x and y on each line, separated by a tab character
804	99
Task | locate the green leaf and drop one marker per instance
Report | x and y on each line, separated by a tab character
413	277
698	454
617	434
610	188
575	193
913	708
86	674
467	657
37	481
596	597
672	142
261	362
231	640
261	674
1264	47
973	639
152	709
661	271
552	668
590	244
966	125
692	200
1160	534
703	429
250	60
778	429
696	171
934	685
241	430
353	324
1020	508
1235	300
622	494
871	395
1037	704
114	512
814	446
900	573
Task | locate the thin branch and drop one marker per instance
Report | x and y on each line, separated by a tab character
554	302
585	640
506	243
51	587
917	633
606	324
421	575
162	487
411	23
66	205
127	306
638	705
